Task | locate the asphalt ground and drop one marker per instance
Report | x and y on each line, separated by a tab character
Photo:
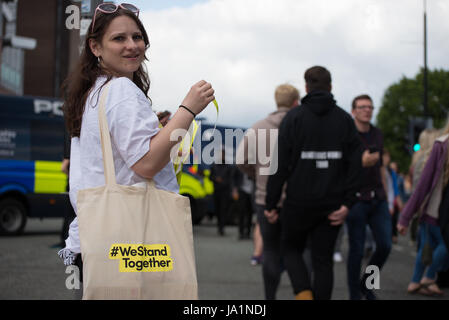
30	268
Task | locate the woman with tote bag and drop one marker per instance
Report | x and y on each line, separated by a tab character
132	231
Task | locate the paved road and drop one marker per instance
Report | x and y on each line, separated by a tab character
31	269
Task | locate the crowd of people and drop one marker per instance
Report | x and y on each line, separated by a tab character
351	182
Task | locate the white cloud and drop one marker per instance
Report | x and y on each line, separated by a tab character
245	48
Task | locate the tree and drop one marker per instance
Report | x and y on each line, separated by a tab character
403	101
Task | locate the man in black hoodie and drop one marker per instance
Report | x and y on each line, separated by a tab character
320	158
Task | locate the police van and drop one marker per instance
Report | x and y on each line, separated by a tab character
31	151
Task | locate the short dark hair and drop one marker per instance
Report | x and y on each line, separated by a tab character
360	97
318	78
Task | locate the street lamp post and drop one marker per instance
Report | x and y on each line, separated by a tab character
425	58
425	96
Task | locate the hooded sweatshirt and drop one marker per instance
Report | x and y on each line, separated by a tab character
320	156
253	165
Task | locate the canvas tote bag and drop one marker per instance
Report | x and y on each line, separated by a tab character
136	241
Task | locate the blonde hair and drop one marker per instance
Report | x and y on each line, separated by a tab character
426	140
285	95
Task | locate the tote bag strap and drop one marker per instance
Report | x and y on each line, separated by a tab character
106	148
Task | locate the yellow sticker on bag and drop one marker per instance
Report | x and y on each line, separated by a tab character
142	258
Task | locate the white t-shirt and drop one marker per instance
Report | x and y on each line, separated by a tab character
132	123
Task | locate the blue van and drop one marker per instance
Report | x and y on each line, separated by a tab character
31	151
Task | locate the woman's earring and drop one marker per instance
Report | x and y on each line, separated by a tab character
98	60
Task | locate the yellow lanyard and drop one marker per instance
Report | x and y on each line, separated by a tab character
181	157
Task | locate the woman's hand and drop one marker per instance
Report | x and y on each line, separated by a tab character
199	96
402	229
337	217
272	215
65	166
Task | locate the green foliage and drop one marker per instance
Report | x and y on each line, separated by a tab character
404	100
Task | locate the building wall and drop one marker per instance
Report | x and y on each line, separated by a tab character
47	65
37	19
6	91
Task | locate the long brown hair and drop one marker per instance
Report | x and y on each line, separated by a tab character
78	84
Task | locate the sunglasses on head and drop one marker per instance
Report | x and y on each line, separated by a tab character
111	8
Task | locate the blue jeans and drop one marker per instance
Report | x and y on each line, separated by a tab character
375	214
439	255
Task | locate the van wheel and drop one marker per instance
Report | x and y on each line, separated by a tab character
12	217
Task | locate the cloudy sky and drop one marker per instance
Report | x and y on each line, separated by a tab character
245	48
